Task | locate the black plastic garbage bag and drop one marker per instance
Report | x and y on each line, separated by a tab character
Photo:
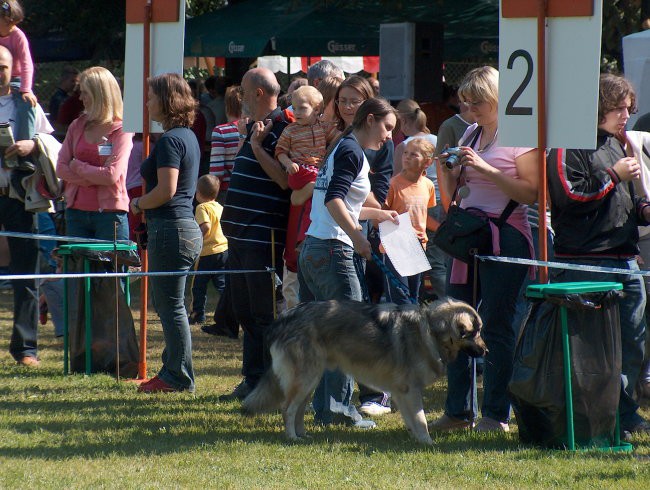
103	308
538	388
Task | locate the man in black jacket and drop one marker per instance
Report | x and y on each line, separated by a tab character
595	213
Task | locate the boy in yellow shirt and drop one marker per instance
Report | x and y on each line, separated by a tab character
215	246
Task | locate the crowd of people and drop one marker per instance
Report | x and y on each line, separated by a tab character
244	178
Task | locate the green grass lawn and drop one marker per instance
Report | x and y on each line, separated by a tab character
94	432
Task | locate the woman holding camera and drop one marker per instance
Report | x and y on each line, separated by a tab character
489	177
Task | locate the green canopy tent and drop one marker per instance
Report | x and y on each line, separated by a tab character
306	28
243	30
471	28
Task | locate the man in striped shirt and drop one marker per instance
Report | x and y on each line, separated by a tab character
257	203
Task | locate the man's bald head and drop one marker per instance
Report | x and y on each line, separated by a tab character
264	79
6	54
6	62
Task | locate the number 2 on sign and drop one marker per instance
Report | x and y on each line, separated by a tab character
511	109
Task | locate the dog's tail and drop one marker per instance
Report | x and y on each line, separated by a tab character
266	397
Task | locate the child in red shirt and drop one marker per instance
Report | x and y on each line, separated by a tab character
300	151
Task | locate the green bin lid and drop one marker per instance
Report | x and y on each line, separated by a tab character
68	248
562	288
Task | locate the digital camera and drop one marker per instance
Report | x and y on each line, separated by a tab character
453	157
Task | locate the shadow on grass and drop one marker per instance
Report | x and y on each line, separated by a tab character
164	424
161	424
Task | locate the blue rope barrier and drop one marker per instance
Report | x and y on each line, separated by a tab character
128	274
563	265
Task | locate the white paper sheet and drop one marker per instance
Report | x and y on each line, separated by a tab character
403	247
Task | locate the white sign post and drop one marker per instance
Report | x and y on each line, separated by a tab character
166	56
572	67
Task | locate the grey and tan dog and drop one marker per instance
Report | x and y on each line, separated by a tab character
400	350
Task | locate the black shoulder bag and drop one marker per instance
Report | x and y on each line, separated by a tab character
466	231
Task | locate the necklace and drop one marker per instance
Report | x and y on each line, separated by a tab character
487	147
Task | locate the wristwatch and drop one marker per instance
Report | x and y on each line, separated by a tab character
136	204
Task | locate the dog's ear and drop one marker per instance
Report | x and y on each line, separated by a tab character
441	312
438	314
468	323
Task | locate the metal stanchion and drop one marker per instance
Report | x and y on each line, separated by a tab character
66	320
472	387
117	306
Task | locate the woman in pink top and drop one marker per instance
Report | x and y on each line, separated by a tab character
93	161
14	39
493	176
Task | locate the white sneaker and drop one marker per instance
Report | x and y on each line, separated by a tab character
373	409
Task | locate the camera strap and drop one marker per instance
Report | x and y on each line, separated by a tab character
512	204
474	136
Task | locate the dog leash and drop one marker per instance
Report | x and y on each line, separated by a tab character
393	280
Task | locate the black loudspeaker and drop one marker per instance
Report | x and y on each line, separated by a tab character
411	59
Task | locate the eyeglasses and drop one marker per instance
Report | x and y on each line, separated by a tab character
474	104
349	102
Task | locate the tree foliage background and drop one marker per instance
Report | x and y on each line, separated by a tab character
620	18
100	24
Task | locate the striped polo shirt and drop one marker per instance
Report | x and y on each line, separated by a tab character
255	204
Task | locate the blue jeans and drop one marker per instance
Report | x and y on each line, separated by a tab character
53	291
326	271
524	306
498	289
632	310
212	262
439	261
96	224
174	245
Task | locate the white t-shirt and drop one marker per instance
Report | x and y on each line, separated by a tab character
323	226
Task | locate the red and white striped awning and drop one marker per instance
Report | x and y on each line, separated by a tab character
349	64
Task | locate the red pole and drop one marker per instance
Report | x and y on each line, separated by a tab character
144	285
541	134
